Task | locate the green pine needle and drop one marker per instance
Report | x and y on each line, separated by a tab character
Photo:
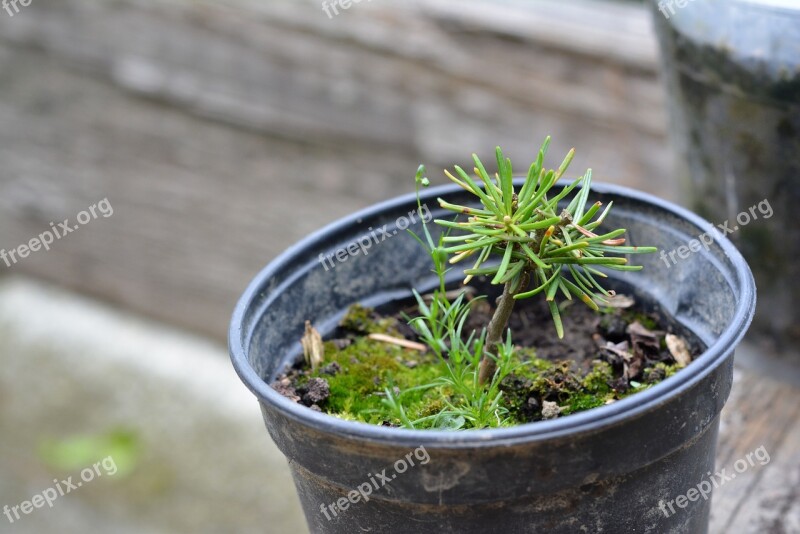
531	236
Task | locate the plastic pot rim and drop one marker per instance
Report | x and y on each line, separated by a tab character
587	421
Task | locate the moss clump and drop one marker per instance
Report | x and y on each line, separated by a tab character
555	383
363	320
594	390
659	372
542	380
597	381
366	369
582	401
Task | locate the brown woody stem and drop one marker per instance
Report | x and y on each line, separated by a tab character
497	326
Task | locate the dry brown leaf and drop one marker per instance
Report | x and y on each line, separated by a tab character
635	329
313	349
679	349
616	301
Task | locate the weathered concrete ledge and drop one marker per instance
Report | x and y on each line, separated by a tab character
71	366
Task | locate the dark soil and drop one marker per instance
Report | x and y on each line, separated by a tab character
603	357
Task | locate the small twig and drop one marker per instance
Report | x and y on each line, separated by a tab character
399	341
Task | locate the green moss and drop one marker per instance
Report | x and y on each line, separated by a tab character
556	382
588	392
597	380
369	367
659	372
582	401
532	363
516	392
362	320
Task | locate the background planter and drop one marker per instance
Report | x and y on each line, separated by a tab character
732	70
605	469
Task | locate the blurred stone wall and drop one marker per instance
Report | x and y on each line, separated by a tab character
221	132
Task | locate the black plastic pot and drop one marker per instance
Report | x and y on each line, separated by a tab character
732	72
604	470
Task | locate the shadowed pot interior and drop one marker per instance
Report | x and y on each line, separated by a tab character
604	470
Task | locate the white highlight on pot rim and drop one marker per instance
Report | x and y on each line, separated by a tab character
56	231
376	236
706	486
705	240
60	489
374	483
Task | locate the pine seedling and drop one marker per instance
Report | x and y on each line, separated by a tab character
541	250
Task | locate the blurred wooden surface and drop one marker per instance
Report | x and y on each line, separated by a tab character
222	132
763	499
